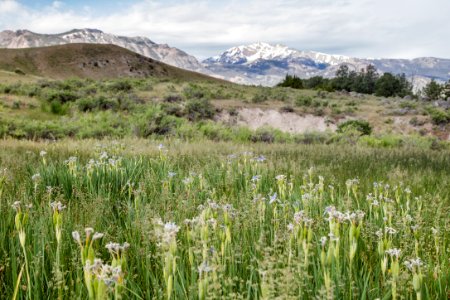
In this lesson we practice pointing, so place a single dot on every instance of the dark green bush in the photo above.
(19, 72)
(287, 109)
(173, 98)
(361, 126)
(439, 117)
(199, 109)
(120, 86)
(61, 96)
(173, 109)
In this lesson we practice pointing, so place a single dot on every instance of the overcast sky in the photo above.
(361, 28)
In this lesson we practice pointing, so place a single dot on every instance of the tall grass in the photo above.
(134, 220)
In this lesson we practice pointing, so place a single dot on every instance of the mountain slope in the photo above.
(266, 64)
(89, 61)
(141, 45)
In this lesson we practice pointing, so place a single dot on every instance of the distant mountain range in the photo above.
(258, 64)
(267, 64)
(141, 45)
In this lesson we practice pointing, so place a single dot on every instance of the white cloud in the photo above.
(382, 28)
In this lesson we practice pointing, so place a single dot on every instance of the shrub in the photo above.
(416, 122)
(259, 98)
(310, 138)
(173, 109)
(56, 108)
(199, 109)
(263, 136)
(303, 100)
(154, 121)
(439, 117)
(361, 126)
(120, 86)
(60, 96)
(19, 72)
(96, 103)
(16, 105)
(173, 98)
(287, 109)
(194, 91)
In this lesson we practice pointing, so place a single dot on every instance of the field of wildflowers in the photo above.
(141, 220)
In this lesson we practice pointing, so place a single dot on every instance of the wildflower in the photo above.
(280, 177)
(171, 174)
(227, 207)
(414, 228)
(273, 198)
(323, 241)
(76, 236)
(36, 177)
(72, 159)
(187, 180)
(290, 227)
(171, 228)
(390, 230)
(332, 237)
(57, 206)
(307, 197)
(42, 153)
(299, 217)
(16, 205)
(261, 159)
(161, 147)
(204, 268)
(231, 156)
(256, 178)
(89, 231)
(394, 252)
(413, 264)
(97, 236)
(213, 205)
(115, 248)
(379, 233)
(434, 231)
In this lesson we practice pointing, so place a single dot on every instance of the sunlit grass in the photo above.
(135, 219)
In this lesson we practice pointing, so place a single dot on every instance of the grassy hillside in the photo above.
(88, 61)
(34, 108)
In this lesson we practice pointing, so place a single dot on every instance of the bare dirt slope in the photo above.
(255, 118)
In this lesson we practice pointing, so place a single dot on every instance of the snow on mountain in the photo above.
(266, 64)
(264, 51)
(141, 45)
(258, 63)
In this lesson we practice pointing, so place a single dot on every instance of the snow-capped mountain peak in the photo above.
(248, 54)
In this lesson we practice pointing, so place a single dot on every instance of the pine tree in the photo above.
(433, 90)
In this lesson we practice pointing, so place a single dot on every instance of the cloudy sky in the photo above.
(362, 28)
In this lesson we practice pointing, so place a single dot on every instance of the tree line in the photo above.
(366, 81)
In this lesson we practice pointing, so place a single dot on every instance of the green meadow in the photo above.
(172, 219)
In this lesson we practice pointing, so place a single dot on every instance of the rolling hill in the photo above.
(141, 45)
(95, 61)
